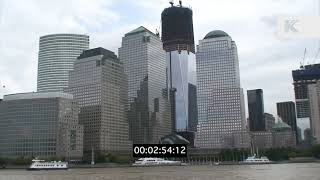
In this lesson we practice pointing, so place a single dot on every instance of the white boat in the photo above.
(38, 164)
(255, 160)
(155, 162)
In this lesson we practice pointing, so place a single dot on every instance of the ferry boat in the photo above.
(255, 160)
(156, 162)
(43, 165)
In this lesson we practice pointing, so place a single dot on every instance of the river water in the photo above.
(308, 171)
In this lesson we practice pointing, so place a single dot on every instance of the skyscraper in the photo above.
(145, 66)
(98, 84)
(193, 108)
(220, 96)
(178, 42)
(256, 110)
(301, 79)
(287, 112)
(40, 124)
(314, 98)
(57, 53)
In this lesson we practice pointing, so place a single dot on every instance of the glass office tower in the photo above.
(57, 53)
(98, 84)
(178, 42)
(144, 63)
(256, 110)
(219, 94)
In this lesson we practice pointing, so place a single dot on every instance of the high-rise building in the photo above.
(314, 99)
(256, 110)
(57, 53)
(178, 42)
(269, 120)
(40, 124)
(193, 108)
(145, 66)
(301, 79)
(98, 84)
(287, 112)
(221, 110)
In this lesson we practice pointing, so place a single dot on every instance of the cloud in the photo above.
(23, 22)
(265, 61)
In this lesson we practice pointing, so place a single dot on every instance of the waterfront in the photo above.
(305, 171)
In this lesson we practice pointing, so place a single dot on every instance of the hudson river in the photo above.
(309, 171)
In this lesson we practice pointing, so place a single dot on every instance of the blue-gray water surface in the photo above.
(308, 171)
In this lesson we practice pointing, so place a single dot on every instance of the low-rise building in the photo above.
(262, 139)
(269, 120)
(40, 124)
(283, 136)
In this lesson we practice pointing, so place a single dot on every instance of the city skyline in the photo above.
(276, 81)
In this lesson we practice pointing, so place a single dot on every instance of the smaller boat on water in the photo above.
(156, 162)
(38, 164)
(256, 160)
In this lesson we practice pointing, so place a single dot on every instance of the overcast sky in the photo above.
(265, 60)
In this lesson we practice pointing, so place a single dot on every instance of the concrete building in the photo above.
(269, 120)
(221, 110)
(279, 136)
(178, 42)
(287, 112)
(256, 110)
(193, 108)
(57, 53)
(262, 139)
(145, 66)
(283, 136)
(314, 99)
(40, 124)
(299, 133)
(308, 137)
(98, 84)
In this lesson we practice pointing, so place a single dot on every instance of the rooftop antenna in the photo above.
(171, 2)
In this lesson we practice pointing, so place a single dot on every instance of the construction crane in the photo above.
(304, 56)
(316, 57)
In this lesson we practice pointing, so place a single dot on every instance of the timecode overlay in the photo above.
(159, 150)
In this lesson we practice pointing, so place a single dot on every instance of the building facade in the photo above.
(261, 139)
(283, 136)
(308, 137)
(287, 112)
(40, 124)
(98, 84)
(269, 120)
(314, 99)
(178, 42)
(57, 53)
(256, 110)
(221, 110)
(301, 79)
(148, 102)
(193, 108)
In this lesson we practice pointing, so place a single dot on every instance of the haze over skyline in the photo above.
(265, 60)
